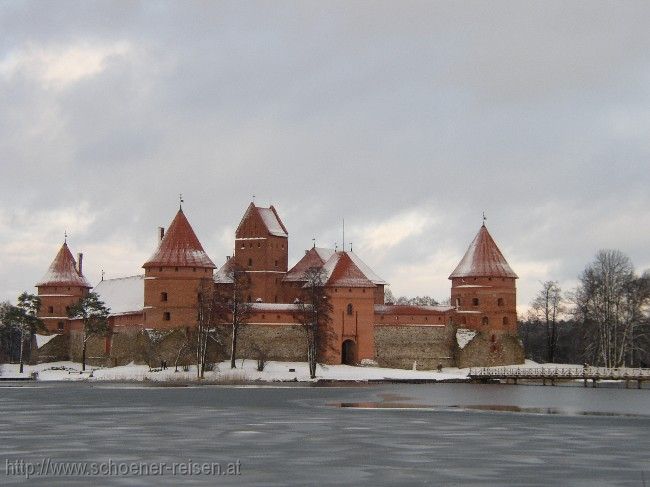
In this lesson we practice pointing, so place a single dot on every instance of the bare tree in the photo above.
(314, 313)
(238, 308)
(610, 302)
(212, 310)
(546, 308)
(94, 314)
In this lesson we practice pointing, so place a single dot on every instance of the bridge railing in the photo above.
(622, 373)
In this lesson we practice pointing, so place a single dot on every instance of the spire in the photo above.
(180, 247)
(63, 271)
(483, 259)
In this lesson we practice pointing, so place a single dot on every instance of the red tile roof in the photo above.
(483, 259)
(270, 219)
(63, 271)
(314, 257)
(343, 272)
(180, 247)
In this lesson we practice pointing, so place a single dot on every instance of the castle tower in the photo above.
(483, 288)
(62, 286)
(173, 277)
(262, 249)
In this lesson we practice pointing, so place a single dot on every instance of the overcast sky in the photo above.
(407, 118)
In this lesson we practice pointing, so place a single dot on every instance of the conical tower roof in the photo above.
(180, 247)
(342, 271)
(483, 259)
(63, 271)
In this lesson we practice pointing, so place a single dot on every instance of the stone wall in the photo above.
(287, 343)
(56, 350)
(488, 350)
(399, 346)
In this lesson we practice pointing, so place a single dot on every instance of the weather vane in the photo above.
(314, 242)
(65, 236)
(484, 218)
(180, 201)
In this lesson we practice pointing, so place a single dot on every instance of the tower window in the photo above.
(276, 263)
(176, 269)
(259, 245)
(485, 321)
(350, 309)
(159, 269)
(475, 301)
(163, 296)
(167, 316)
(60, 325)
(500, 302)
(458, 302)
(250, 262)
(505, 320)
(50, 309)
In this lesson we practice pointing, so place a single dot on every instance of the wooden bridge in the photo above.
(553, 374)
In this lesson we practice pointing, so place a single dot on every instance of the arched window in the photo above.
(350, 309)
(250, 262)
(163, 296)
(500, 302)
(458, 302)
(505, 320)
(475, 301)
(485, 320)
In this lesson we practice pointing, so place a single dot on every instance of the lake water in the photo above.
(389, 434)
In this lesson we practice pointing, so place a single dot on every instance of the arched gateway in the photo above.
(348, 353)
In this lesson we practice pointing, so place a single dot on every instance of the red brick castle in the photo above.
(477, 328)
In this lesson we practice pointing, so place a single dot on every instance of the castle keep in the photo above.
(477, 328)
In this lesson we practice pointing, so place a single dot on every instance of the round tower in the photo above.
(483, 289)
(173, 277)
(62, 286)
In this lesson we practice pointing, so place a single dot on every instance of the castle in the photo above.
(477, 328)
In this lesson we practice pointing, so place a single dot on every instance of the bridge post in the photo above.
(638, 384)
(595, 383)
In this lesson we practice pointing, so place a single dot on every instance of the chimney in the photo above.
(161, 233)
(80, 263)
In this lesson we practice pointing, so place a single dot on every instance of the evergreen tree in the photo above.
(94, 315)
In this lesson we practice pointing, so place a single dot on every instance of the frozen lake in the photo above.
(331, 435)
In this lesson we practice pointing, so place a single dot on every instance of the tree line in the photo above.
(604, 321)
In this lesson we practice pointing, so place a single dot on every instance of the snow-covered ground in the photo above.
(246, 371)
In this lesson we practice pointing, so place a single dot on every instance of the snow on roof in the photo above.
(464, 336)
(368, 272)
(357, 270)
(272, 222)
(341, 270)
(314, 257)
(269, 218)
(63, 271)
(224, 275)
(483, 259)
(408, 309)
(122, 295)
(180, 247)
